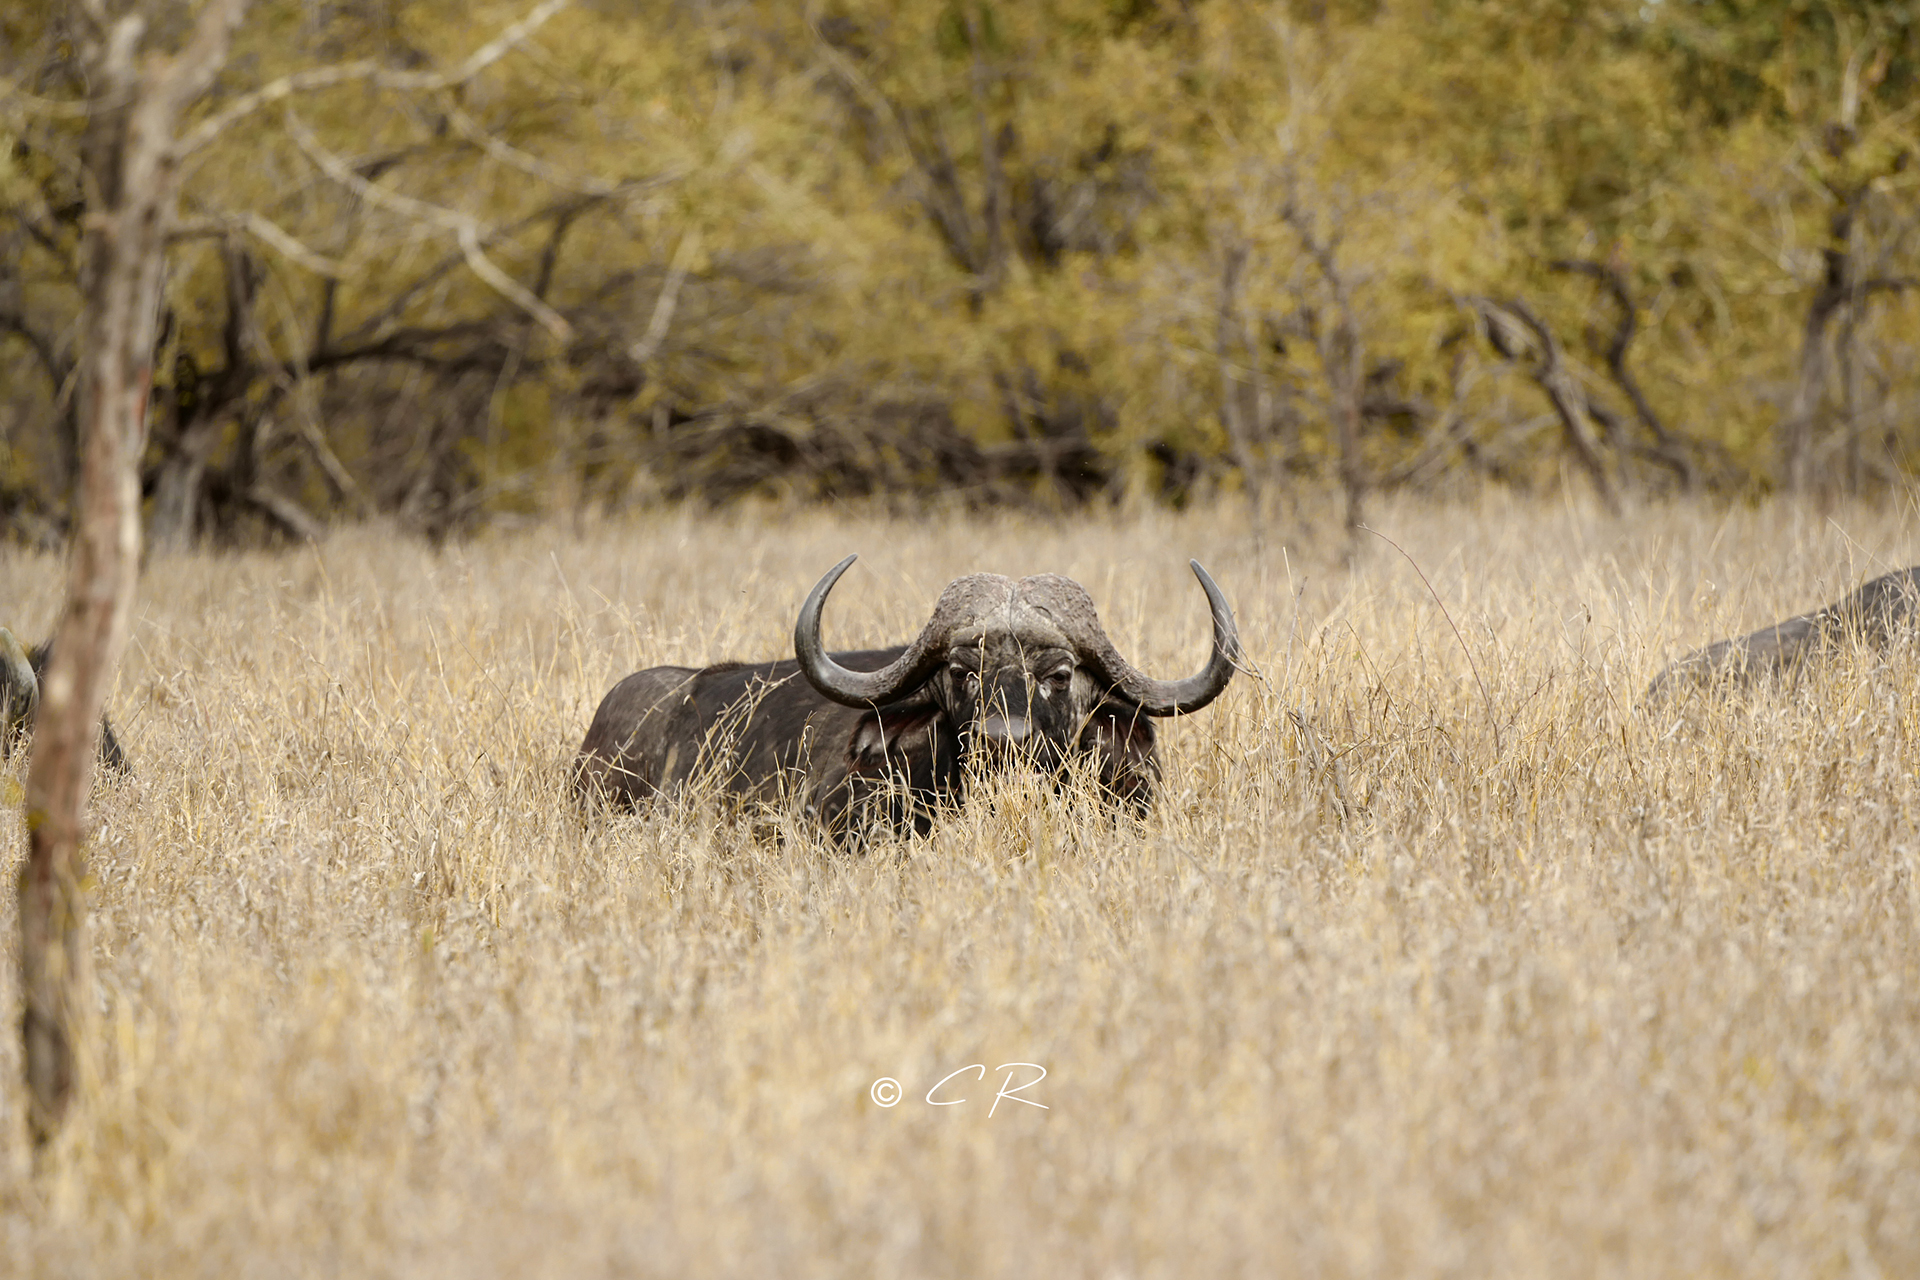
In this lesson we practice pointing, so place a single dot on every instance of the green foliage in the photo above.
(1076, 228)
(1785, 59)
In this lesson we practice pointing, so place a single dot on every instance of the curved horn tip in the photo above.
(1199, 690)
(1215, 597)
(13, 653)
(829, 678)
(1206, 579)
(818, 596)
(17, 678)
(827, 579)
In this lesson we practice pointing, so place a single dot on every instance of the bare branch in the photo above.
(1886, 284)
(336, 470)
(364, 331)
(507, 287)
(1550, 371)
(550, 252)
(514, 158)
(192, 73)
(372, 72)
(272, 234)
(994, 205)
(267, 232)
(97, 19)
(49, 108)
(1233, 414)
(42, 234)
(1341, 354)
(283, 511)
(669, 298)
(465, 227)
(43, 348)
(1614, 280)
(877, 102)
(1850, 88)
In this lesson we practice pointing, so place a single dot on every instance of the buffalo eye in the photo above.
(965, 677)
(1057, 681)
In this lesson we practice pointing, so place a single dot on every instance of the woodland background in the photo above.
(1048, 253)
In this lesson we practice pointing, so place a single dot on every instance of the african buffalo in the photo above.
(20, 670)
(1877, 614)
(1004, 671)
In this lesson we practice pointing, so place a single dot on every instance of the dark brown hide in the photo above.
(752, 729)
(20, 696)
(756, 728)
(1005, 674)
(1877, 614)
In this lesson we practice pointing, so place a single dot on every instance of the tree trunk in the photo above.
(1837, 287)
(200, 413)
(1345, 372)
(1666, 447)
(130, 163)
(1809, 388)
(177, 487)
(1342, 357)
(1549, 370)
(1233, 388)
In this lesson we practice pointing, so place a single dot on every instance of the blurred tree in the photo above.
(1055, 250)
(129, 170)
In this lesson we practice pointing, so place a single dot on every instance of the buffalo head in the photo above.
(1019, 669)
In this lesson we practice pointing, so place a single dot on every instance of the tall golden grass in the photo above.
(1437, 957)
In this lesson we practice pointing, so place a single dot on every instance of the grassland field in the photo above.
(1440, 955)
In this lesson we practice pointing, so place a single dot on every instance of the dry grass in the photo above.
(1400, 979)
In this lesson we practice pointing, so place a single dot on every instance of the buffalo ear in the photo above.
(1119, 735)
(900, 735)
(900, 761)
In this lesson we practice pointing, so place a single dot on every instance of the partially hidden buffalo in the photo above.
(1879, 613)
(1005, 672)
(20, 670)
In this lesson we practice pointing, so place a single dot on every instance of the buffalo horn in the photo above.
(1072, 609)
(863, 688)
(19, 685)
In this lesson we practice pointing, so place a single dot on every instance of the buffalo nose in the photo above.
(1010, 730)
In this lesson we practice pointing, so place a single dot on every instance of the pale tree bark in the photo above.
(1613, 278)
(131, 156)
(201, 413)
(1342, 354)
(1505, 322)
(1846, 280)
(1233, 398)
(1810, 386)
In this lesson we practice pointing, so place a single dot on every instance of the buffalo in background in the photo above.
(1004, 673)
(1877, 614)
(20, 670)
